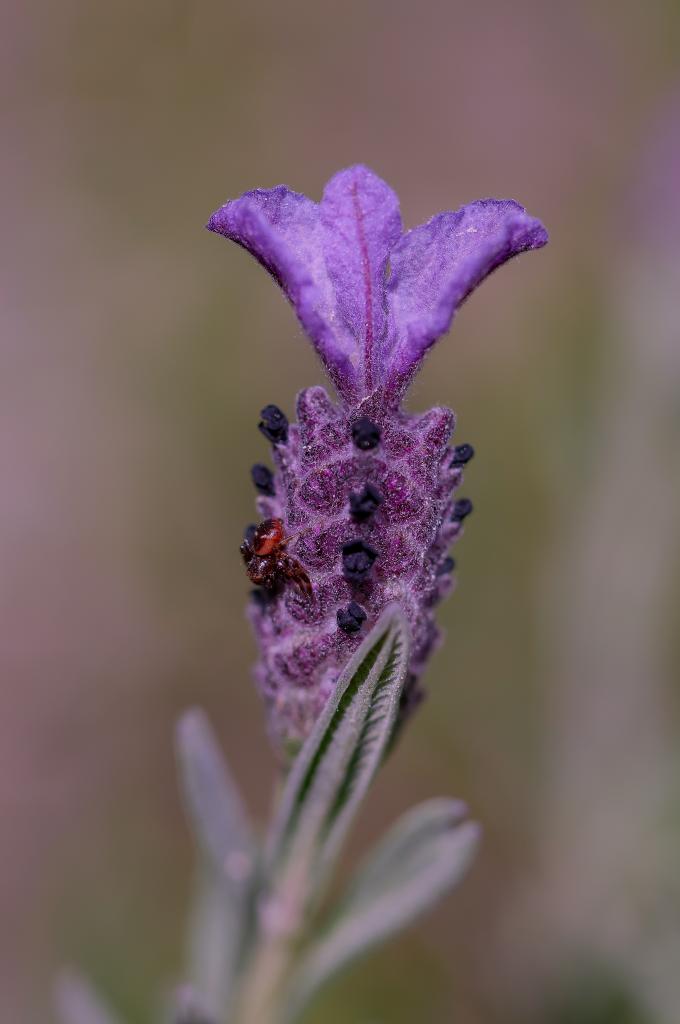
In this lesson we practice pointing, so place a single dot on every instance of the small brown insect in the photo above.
(267, 562)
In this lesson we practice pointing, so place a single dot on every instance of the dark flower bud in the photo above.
(249, 533)
(412, 696)
(192, 1016)
(462, 509)
(351, 618)
(263, 478)
(462, 454)
(274, 424)
(448, 565)
(357, 560)
(261, 597)
(365, 434)
(189, 1010)
(364, 503)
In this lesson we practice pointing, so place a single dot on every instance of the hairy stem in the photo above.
(281, 922)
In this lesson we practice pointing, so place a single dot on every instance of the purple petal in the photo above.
(437, 265)
(283, 231)
(361, 222)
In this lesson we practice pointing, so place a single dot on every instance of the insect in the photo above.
(268, 564)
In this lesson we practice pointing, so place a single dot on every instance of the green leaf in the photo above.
(211, 798)
(226, 872)
(77, 1002)
(337, 763)
(215, 939)
(426, 853)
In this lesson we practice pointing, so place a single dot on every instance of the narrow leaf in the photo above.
(426, 853)
(374, 740)
(214, 938)
(226, 871)
(337, 763)
(77, 1002)
(211, 798)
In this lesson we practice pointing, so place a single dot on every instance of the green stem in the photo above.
(281, 923)
(262, 996)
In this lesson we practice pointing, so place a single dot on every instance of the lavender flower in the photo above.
(365, 488)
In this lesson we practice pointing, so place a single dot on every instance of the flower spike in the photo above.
(365, 492)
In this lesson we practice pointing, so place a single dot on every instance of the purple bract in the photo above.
(366, 488)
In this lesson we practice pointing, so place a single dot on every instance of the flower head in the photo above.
(366, 488)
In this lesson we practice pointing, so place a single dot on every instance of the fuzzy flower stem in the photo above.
(281, 921)
(262, 991)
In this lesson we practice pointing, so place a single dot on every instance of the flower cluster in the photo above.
(366, 491)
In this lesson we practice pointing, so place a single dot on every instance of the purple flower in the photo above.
(366, 488)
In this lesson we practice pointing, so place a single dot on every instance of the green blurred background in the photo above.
(136, 352)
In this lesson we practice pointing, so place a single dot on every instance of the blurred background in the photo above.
(136, 353)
